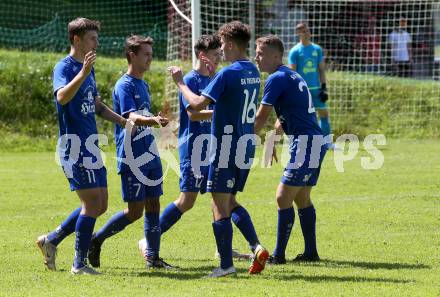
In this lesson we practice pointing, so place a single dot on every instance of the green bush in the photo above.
(365, 104)
(359, 104)
(26, 100)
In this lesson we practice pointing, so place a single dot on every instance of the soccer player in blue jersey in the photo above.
(287, 93)
(77, 102)
(307, 59)
(234, 90)
(192, 124)
(138, 163)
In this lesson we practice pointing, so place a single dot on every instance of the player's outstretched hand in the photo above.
(176, 74)
(163, 121)
(89, 60)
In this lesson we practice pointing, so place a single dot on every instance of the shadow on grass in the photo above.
(199, 272)
(331, 278)
(363, 264)
(183, 273)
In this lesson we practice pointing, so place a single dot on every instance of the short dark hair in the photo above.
(301, 26)
(80, 26)
(237, 32)
(206, 43)
(133, 44)
(271, 41)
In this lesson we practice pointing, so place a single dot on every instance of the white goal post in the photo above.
(375, 83)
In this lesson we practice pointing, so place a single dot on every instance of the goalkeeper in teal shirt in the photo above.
(307, 59)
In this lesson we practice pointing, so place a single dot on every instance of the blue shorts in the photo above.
(317, 103)
(302, 176)
(189, 182)
(81, 178)
(135, 190)
(226, 180)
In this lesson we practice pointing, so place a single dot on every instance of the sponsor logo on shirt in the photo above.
(88, 106)
(309, 67)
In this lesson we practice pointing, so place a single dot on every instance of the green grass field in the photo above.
(378, 233)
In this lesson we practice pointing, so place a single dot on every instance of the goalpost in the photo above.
(377, 83)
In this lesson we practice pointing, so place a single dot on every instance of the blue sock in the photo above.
(307, 217)
(116, 224)
(243, 221)
(286, 218)
(324, 123)
(170, 215)
(152, 234)
(223, 237)
(84, 229)
(65, 229)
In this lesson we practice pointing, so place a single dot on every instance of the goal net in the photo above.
(42, 25)
(383, 57)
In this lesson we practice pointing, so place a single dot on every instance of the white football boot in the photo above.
(84, 270)
(48, 250)
(219, 272)
(142, 245)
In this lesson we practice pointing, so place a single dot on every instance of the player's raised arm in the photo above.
(66, 93)
(196, 102)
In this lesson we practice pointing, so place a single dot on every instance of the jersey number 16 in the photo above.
(249, 105)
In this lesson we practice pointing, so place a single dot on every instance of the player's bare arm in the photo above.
(321, 71)
(199, 115)
(262, 116)
(65, 94)
(141, 120)
(106, 113)
(196, 102)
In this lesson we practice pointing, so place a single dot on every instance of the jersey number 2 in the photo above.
(301, 86)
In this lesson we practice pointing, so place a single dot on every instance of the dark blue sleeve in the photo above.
(216, 87)
(272, 90)
(60, 77)
(124, 93)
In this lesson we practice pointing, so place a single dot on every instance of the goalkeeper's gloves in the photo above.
(323, 94)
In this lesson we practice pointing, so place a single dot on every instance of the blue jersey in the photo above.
(189, 130)
(287, 92)
(131, 94)
(234, 90)
(307, 60)
(78, 115)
